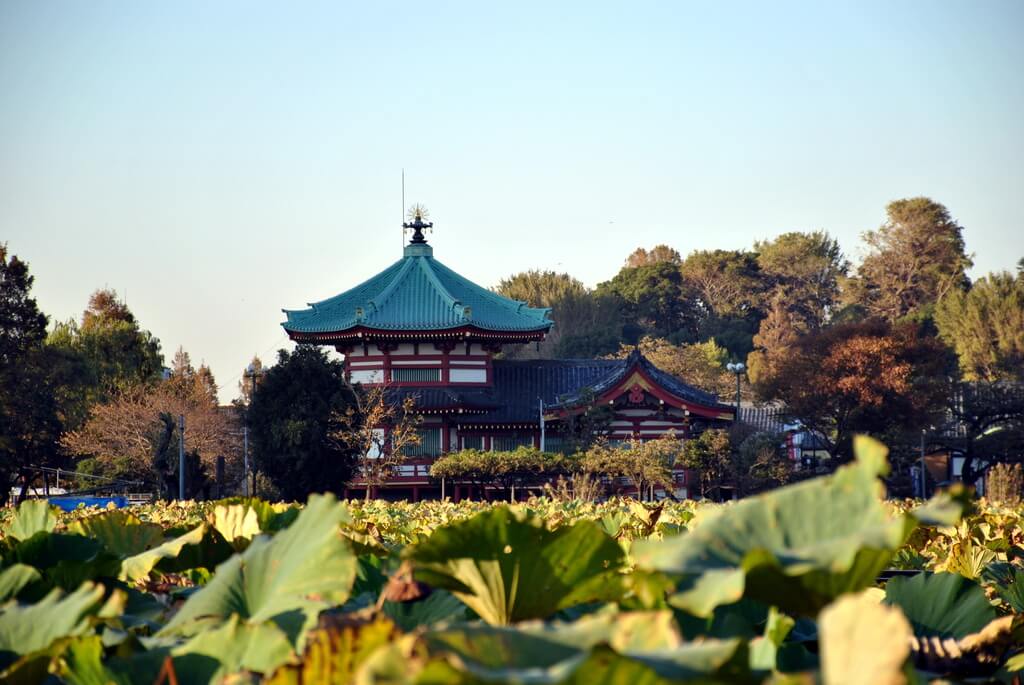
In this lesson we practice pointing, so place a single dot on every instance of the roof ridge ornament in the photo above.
(418, 215)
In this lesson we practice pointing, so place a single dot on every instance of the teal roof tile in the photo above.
(417, 293)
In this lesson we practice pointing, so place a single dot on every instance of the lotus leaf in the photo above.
(26, 630)
(121, 533)
(863, 642)
(606, 648)
(237, 523)
(138, 566)
(941, 604)
(16, 578)
(81, 664)
(33, 516)
(335, 651)
(507, 567)
(797, 547)
(1008, 582)
(289, 578)
(233, 646)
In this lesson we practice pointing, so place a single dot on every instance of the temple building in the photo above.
(423, 330)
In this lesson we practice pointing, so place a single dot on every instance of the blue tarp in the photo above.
(72, 503)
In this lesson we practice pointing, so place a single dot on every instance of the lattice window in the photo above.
(430, 444)
(415, 375)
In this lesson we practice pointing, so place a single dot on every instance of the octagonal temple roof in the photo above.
(416, 295)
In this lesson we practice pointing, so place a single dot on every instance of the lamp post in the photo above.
(252, 374)
(738, 368)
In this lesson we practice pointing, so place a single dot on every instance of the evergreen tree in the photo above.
(29, 421)
(114, 352)
(914, 259)
(293, 419)
(985, 326)
(803, 270)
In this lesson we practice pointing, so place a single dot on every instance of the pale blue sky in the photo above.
(216, 161)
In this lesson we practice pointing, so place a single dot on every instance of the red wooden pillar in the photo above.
(415, 493)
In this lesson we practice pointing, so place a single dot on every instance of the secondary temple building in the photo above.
(422, 329)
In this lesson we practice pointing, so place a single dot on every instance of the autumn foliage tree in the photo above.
(135, 436)
(382, 429)
(869, 377)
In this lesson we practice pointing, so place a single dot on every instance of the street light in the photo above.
(738, 368)
(251, 373)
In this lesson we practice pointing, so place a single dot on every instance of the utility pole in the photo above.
(542, 424)
(181, 457)
(924, 483)
(245, 458)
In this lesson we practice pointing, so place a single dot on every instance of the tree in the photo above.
(699, 364)
(803, 270)
(728, 283)
(710, 454)
(641, 463)
(914, 259)
(656, 302)
(985, 325)
(293, 422)
(105, 352)
(521, 467)
(760, 464)
(381, 429)
(566, 296)
(869, 377)
(135, 435)
(540, 288)
(774, 342)
(986, 426)
(656, 255)
(29, 421)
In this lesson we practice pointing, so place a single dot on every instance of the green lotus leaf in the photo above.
(65, 560)
(233, 646)
(138, 566)
(507, 567)
(638, 647)
(863, 642)
(122, 533)
(16, 578)
(1007, 580)
(26, 630)
(941, 604)
(81, 663)
(539, 654)
(289, 578)
(33, 516)
(438, 606)
(764, 650)
(797, 547)
(709, 661)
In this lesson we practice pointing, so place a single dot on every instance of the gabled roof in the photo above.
(561, 384)
(417, 293)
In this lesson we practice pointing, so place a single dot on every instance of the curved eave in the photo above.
(636, 373)
(360, 334)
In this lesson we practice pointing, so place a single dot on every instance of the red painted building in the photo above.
(426, 331)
